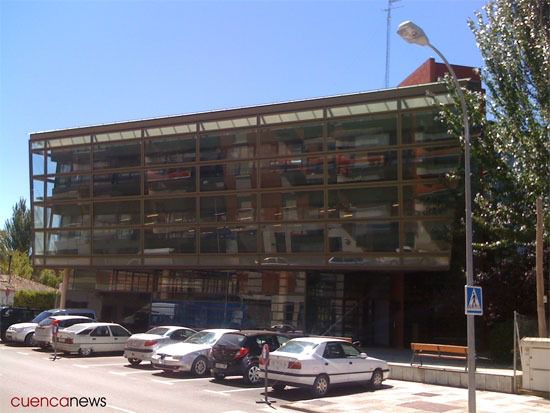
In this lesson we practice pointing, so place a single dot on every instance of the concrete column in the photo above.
(64, 285)
(397, 308)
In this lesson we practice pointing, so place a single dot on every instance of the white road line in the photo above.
(236, 390)
(23, 353)
(217, 392)
(163, 382)
(126, 373)
(87, 366)
(110, 406)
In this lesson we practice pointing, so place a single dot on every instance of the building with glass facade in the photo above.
(312, 213)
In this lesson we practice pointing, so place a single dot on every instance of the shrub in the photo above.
(35, 299)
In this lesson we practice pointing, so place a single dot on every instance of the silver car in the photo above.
(140, 347)
(189, 356)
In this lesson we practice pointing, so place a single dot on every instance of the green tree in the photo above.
(50, 278)
(18, 228)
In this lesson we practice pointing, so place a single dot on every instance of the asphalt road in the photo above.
(27, 372)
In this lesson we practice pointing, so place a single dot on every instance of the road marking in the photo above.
(236, 390)
(126, 373)
(120, 409)
(169, 383)
(217, 392)
(86, 366)
(22, 353)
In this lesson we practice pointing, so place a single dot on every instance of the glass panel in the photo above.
(292, 206)
(362, 108)
(170, 180)
(67, 216)
(68, 243)
(362, 132)
(171, 130)
(350, 260)
(172, 260)
(38, 190)
(117, 154)
(427, 236)
(75, 140)
(107, 214)
(170, 211)
(363, 237)
(292, 140)
(117, 184)
(427, 199)
(228, 123)
(363, 167)
(131, 260)
(228, 145)
(229, 208)
(169, 240)
(287, 238)
(37, 152)
(117, 136)
(116, 241)
(228, 240)
(421, 127)
(363, 203)
(176, 149)
(292, 117)
(38, 216)
(292, 172)
(38, 243)
(68, 187)
(282, 260)
(240, 175)
(63, 160)
(67, 261)
(430, 162)
(427, 261)
(227, 260)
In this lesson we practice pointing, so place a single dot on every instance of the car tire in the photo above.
(219, 376)
(134, 362)
(252, 375)
(29, 339)
(376, 379)
(320, 385)
(278, 387)
(199, 367)
(85, 352)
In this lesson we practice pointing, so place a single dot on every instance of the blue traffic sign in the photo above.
(473, 300)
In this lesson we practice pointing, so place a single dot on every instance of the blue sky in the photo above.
(75, 63)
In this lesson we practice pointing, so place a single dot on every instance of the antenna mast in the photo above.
(388, 27)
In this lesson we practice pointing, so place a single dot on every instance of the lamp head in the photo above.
(412, 33)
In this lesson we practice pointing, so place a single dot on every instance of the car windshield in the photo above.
(203, 337)
(158, 331)
(41, 316)
(297, 347)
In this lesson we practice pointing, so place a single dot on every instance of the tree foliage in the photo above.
(50, 278)
(18, 228)
(35, 299)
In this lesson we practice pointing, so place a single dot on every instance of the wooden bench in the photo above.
(444, 351)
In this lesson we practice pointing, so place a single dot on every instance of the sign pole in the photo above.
(264, 361)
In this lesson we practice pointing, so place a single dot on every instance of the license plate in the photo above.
(220, 366)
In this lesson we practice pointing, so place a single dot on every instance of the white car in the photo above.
(140, 347)
(88, 338)
(191, 355)
(321, 362)
(43, 331)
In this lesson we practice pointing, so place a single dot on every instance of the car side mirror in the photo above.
(363, 355)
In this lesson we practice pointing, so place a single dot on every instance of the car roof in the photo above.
(96, 324)
(172, 327)
(68, 317)
(320, 340)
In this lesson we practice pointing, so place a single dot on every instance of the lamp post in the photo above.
(414, 34)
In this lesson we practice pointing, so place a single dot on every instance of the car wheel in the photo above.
(376, 379)
(278, 387)
(320, 385)
(29, 339)
(199, 367)
(85, 352)
(134, 362)
(219, 376)
(252, 374)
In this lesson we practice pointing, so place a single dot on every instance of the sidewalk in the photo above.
(405, 397)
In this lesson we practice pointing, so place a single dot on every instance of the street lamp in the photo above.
(414, 34)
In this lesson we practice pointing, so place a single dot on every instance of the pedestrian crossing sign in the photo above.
(473, 304)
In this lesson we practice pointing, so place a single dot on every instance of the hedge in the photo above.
(43, 300)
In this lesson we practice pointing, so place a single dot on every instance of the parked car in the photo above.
(140, 347)
(88, 338)
(43, 331)
(237, 353)
(14, 315)
(321, 362)
(189, 356)
(24, 332)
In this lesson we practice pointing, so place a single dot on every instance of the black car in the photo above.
(14, 315)
(237, 353)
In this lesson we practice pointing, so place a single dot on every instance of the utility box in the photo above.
(535, 361)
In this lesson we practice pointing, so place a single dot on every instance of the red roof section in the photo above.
(430, 71)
